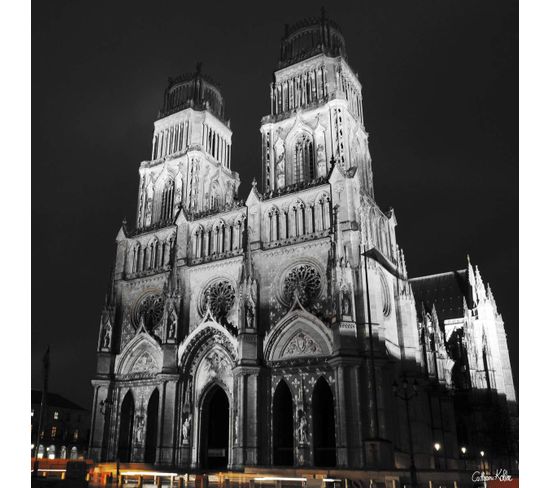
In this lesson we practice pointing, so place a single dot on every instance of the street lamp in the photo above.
(482, 454)
(463, 451)
(437, 448)
(406, 394)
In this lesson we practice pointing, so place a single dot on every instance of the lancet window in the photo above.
(304, 164)
(167, 203)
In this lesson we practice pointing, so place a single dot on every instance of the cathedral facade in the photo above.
(284, 330)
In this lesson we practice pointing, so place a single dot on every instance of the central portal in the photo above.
(215, 429)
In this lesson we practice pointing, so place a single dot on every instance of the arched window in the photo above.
(167, 203)
(304, 166)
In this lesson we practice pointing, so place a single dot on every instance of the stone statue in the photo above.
(186, 429)
(346, 303)
(249, 314)
(140, 429)
(107, 336)
(302, 428)
(148, 210)
(172, 323)
(280, 166)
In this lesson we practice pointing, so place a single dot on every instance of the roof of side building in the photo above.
(445, 291)
(54, 400)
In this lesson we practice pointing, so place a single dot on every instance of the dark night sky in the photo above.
(440, 91)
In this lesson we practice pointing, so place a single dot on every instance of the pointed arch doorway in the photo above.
(152, 428)
(283, 431)
(215, 429)
(126, 429)
(324, 439)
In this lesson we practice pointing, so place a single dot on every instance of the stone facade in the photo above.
(270, 331)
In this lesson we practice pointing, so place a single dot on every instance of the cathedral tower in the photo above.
(316, 110)
(190, 164)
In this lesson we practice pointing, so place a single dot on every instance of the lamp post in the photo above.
(104, 408)
(463, 451)
(482, 455)
(404, 393)
(437, 448)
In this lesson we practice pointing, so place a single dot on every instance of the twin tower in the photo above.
(268, 332)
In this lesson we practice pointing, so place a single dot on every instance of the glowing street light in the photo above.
(463, 450)
(482, 454)
(437, 448)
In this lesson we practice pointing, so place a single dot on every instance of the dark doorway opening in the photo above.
(283, 432)
(215, 429)
(126, 429)
(324, 439)
(152, 428)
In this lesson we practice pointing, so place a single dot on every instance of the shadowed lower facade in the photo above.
(270, 331)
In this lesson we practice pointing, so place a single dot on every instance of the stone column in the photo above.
(167, 421)
(342, 415)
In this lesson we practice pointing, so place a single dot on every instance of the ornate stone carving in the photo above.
(145, 364)
(221, 297)
(301, 345)
(303, 279)
(217, 363)
(151, 308)
(128, 330)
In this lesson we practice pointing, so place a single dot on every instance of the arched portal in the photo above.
(324, 441)
(215, 429)
(152, 428)
(126, 428)
(283, 432)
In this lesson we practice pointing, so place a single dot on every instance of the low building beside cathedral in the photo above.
(270, 331)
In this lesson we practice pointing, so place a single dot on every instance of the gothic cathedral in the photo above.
(277, 330)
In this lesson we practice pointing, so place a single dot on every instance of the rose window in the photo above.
(304, 280)
(221, 296)
(151, 308)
